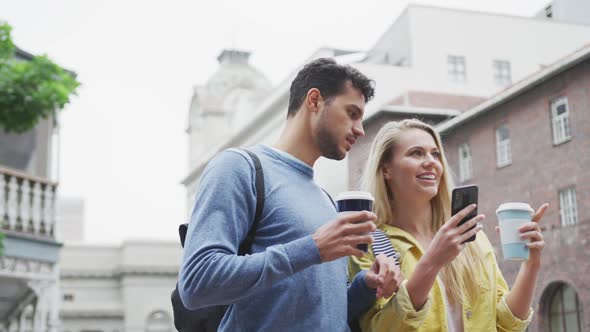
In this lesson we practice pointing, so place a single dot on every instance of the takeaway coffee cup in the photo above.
(510, 217)
(350, 201)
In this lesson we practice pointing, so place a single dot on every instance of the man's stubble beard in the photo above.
(326, 140)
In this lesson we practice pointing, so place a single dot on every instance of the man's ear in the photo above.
(313, 99)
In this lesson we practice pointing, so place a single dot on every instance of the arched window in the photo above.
(564, 309)
(159, 321)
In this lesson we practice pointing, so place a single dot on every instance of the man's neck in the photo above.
(297, 141)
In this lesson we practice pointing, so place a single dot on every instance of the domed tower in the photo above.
(225, 103)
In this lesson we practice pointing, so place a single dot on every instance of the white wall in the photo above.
(71, 219)
(150, 253)
(85, 324)
(480, 37)
(395, 42)
(577, 11)
(143, 295)
(89, 257)
(91, 294)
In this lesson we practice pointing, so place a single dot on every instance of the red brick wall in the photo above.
(538, 171)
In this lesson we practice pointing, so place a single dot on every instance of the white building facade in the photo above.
(426, 49)
(118, 288)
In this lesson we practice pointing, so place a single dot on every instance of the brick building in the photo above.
(529, 143)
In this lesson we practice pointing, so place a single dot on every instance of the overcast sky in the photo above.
(123, 143)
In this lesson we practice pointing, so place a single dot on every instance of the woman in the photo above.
(450, 286)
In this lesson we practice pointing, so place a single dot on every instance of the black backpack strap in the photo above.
(182, 228)
(259, 184)
(382, 245)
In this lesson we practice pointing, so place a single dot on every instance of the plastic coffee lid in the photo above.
(514, 206)
(354, 195)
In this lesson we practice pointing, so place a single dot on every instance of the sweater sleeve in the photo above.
(211, 272)
(360, 296)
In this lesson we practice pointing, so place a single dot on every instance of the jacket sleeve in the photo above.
(211, 272)
(505, 319)
(391, 314)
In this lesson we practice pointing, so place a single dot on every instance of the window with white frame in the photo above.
(502, 75)
(503, 152)
(465, 166)
(568, 208)
(560, 120)
(457, 72)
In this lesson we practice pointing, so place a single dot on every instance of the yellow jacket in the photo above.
(489, 312)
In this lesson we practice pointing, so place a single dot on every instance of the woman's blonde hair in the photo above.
(461, 272)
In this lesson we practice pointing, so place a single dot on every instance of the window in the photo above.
(565, 311)
(549, 11)
(456, 69)
(68, 297)
(465, 167)
(560, 121)
(503, 153)
(568, 208)
(502, 75)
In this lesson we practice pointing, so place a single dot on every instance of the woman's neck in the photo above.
(414, 217)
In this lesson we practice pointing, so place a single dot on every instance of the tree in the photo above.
(30, 90)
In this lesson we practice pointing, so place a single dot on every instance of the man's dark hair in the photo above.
(330, 78)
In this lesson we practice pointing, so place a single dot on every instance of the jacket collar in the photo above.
(405, 241)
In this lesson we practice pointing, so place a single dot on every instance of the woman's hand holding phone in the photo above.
(450, 238)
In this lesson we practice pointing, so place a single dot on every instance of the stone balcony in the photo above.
(29, 265)
(27, 204)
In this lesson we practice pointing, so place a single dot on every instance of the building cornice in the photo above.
(120, 272)
(92, 313)
(17, 267)
(33, 237)
(400, 109)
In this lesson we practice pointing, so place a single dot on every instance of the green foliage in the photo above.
(30, 90)
(1, 243)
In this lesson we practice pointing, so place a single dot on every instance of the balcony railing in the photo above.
(27, 204)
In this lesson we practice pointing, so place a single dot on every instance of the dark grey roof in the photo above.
(24, 55)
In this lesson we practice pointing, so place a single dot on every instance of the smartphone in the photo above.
(461, 198)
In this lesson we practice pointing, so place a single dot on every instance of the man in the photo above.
(296, 278)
